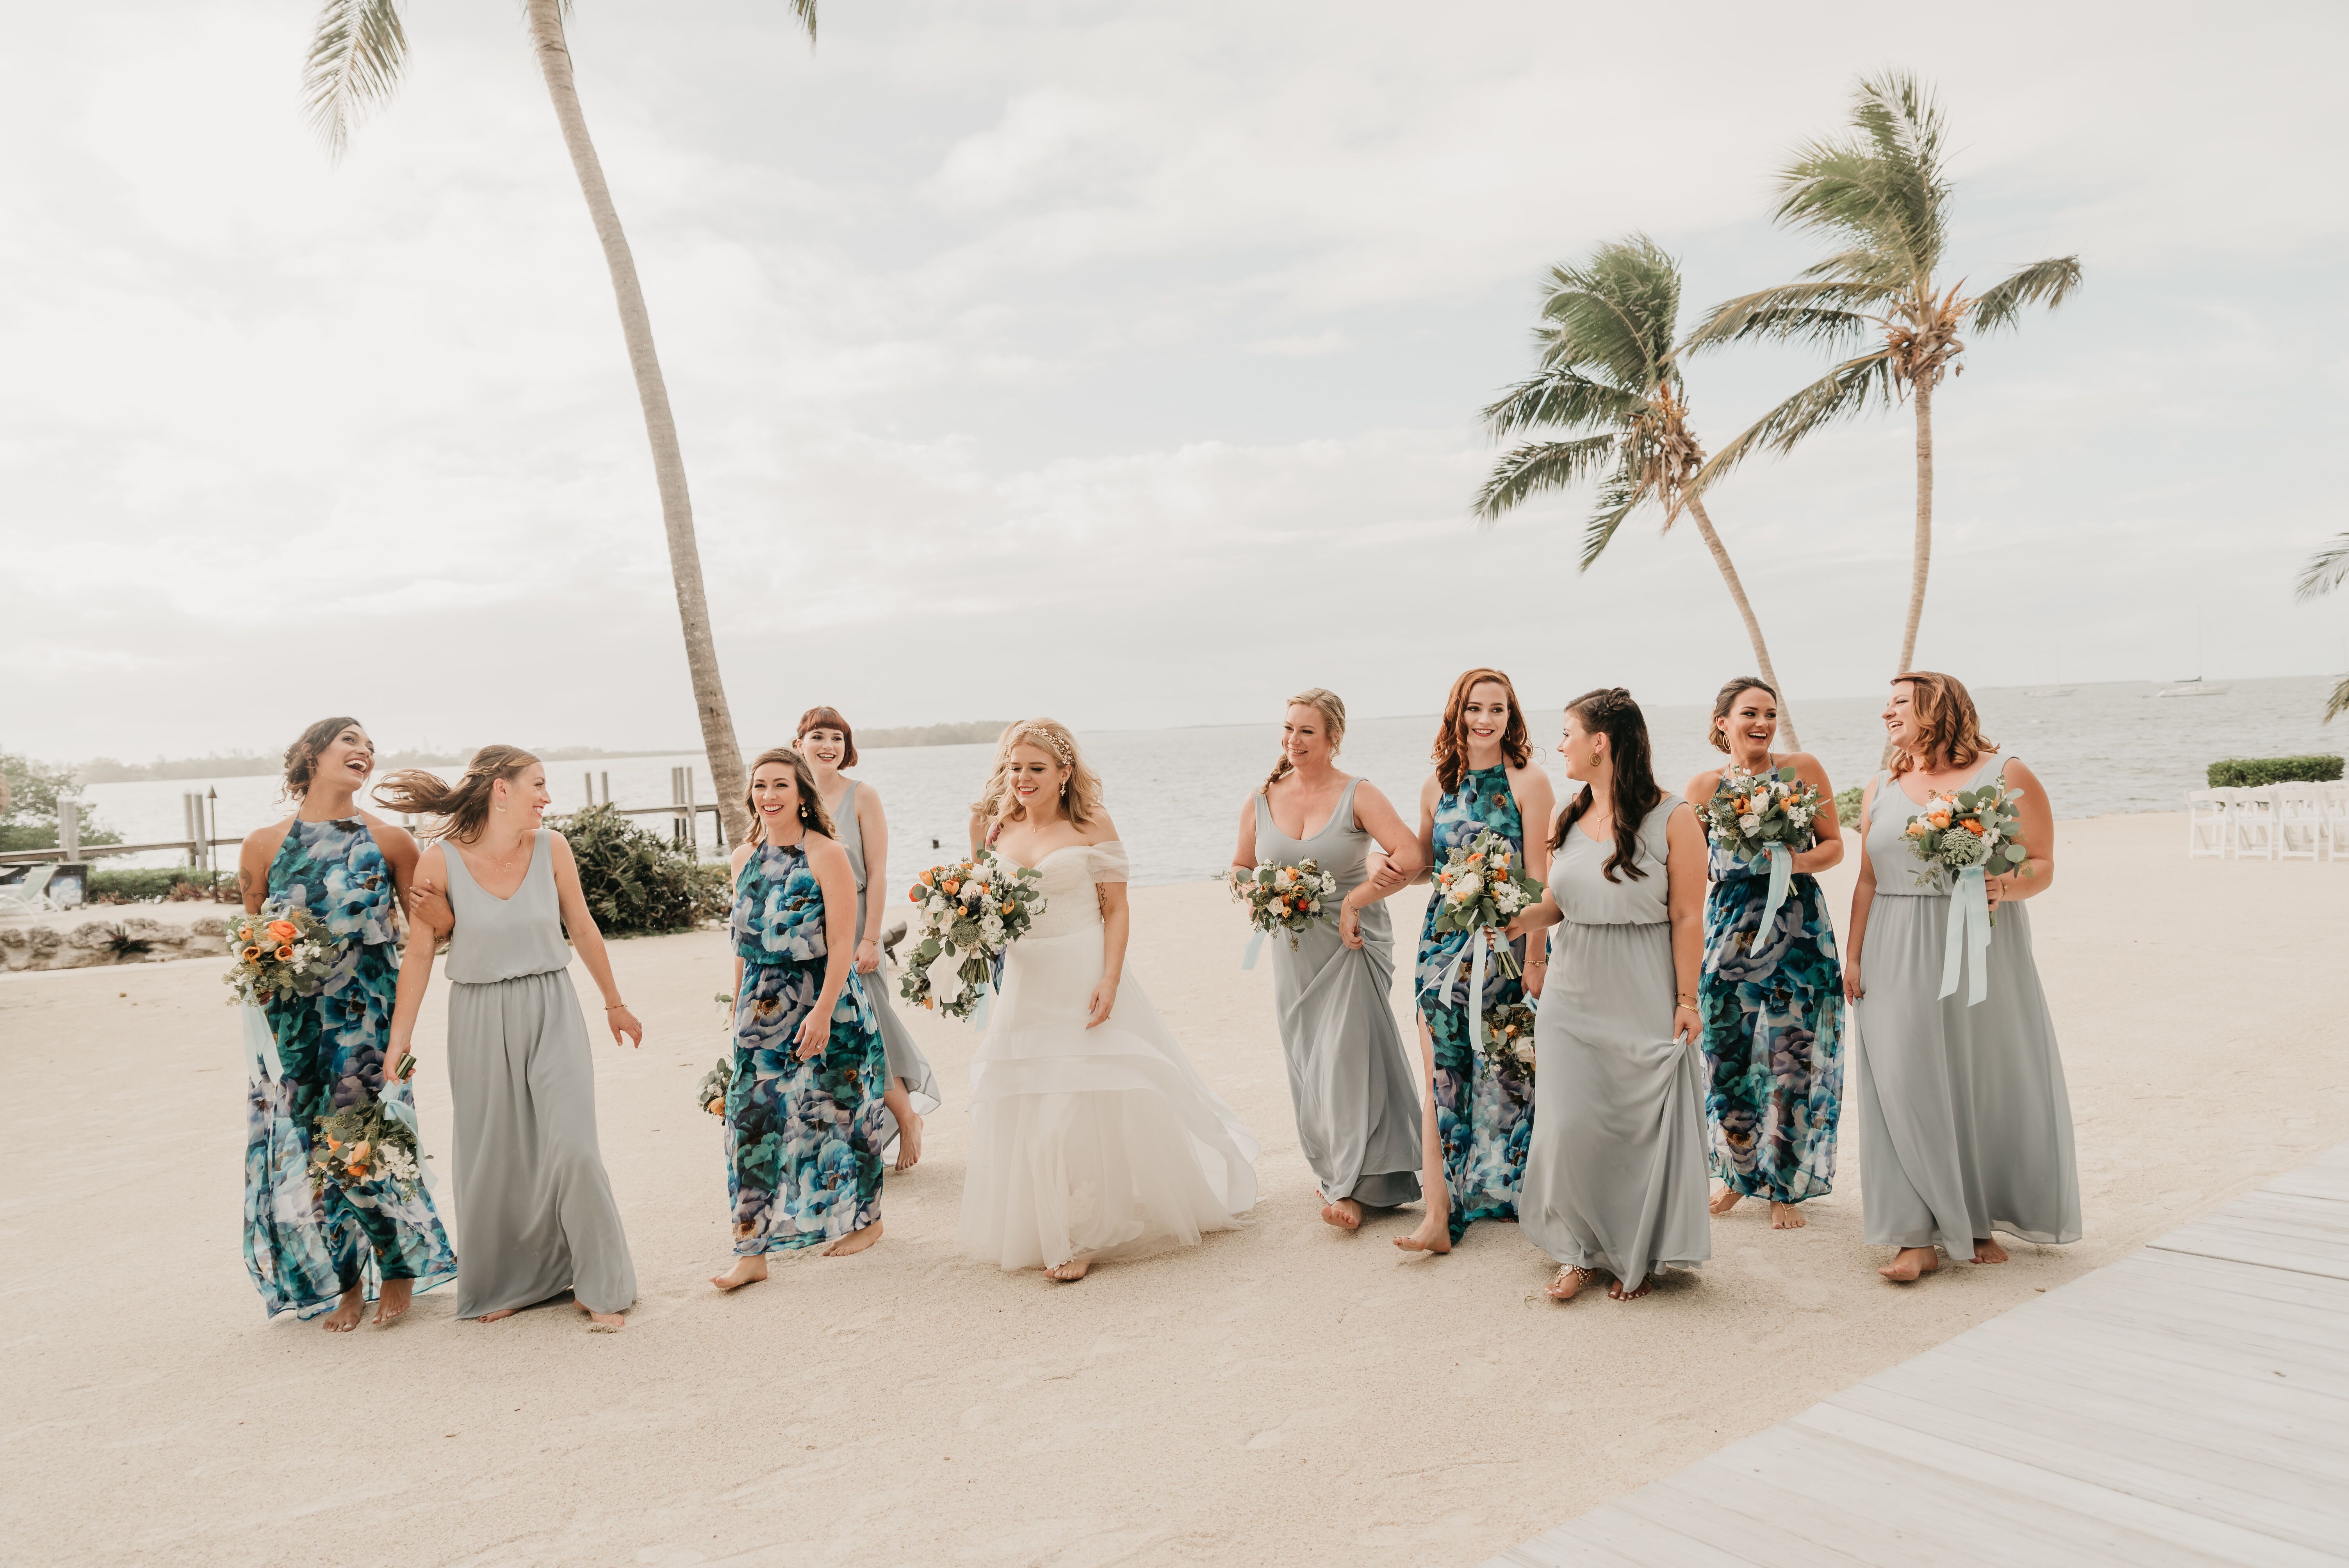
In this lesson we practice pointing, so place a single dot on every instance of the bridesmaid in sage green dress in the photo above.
(1965, 1125)
(1477, 1119)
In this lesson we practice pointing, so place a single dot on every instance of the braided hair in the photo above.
(1609, 711)
(1331, 708)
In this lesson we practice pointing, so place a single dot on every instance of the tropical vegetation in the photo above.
(2327, 569)
(637, 883)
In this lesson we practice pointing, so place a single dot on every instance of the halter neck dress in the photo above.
(1965, 1126)
(906, 1062)
(1350, 1074)
(1615, 1177)
(304, 1249)
(533, 1205)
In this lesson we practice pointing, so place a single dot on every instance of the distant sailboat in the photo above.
(2196, 686)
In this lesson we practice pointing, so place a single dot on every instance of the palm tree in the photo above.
(1882, 196)
(1608, 367)
(356, 54)
(2327, 569)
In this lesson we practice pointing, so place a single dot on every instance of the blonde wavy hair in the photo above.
(1951, 724)
(1332, 709)
(1080, 796)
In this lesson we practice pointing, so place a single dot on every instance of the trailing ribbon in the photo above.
(1782, 873)
(1255, 946)
(261, 1045)
(1472, 956)
(1968, 930)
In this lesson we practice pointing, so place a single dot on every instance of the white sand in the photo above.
(1281, 1393)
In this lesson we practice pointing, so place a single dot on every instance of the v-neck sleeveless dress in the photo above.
(534, 1208)
(1965, 1126)
(1615, 1177)
(1350, 1073)
(304, 1249)
(908, 1064)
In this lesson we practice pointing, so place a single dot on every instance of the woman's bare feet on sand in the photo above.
(1987, 1251)
(1787, 1216)
(1617, 1293)
(1434, 1235)
(393, 1306)
(1723, 1200)
(1911, 1261)
(345, 1315)
(909, 1142)
(746, 1271)
(1070, 1272)
(1569, 1280)
(854, 1242)
(1345, 1214)
(602, 1321)
(498, 1316)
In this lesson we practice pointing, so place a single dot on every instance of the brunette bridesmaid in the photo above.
(1772, 1000)
(1965, 1127)
(1350, 1074)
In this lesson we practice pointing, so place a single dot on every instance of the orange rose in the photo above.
(359, 1172)
(1938, 819)
(1970, 826)
(281, 929)
(252, 954)
(285, 956)
(358, 1150)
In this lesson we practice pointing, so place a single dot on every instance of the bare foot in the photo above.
(345, 1315)
(396, 1295)
(497, 1316)
(746, 1271)
(1070, 1272)
(1345, 1214)
(1725, 1200)
(1988, 1250)
(1617, 1293)
(1911, 1263)
(1568, 1282)
(1787, 1216)
(854, 1242)
(602, 1321)
(909, 1142)
(1434, 1235)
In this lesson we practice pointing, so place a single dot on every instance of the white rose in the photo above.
(1467, 887)
(1749, 823)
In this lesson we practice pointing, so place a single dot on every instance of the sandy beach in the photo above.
(1282, 1393)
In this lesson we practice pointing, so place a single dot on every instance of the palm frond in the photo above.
(1841, 394)
(2338, 703)
(1885, 188)
(1535, 466)
(802, 9)
(2048, 282)
(2326, 569)
(1618, 497)
(1615, 313)
(1830, 314)
(1563, 397)
(356, 53)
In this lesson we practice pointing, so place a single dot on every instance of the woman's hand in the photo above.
(1098, 1005)
(815, 1032)
(623, 1022)
(1686, 1024)
(399, 1048)
(1993, 889)
(1535, 977)
(428, 907)
(868, 956)
(1852, 989)
(1349, 924)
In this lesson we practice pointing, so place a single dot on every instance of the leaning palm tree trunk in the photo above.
(1753, 625)
(669, 462)
(1921, 557)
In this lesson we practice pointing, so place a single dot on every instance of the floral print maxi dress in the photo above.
(1773, 1012)
(304, 1249)
(1485, 1119)
(803, 1138)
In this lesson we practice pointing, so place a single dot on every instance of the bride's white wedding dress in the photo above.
(1087, 1143)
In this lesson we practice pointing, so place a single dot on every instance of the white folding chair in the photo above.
(2206, 824)
(2254, 814)
(2336, 820)
(2300, 822)
(30, 896)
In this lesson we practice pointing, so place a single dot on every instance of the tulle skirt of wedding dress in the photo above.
(1091, 1142)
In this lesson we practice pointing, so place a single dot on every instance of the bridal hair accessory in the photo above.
(1043, 738)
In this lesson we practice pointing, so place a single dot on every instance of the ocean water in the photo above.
(1177, 793)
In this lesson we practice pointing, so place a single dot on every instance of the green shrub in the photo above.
(1848, 805)
(637, 883)
(2251, 772)
(177, 883)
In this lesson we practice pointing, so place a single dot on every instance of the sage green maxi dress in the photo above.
(906, 1062)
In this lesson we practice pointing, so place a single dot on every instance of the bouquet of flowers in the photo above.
(360, 1144)
(1480, 887)
(967, 913)
(1751, 811)
(277, 956)
(1283, 898)
(1509, 1040)
(1966, 827)
(716, 1084)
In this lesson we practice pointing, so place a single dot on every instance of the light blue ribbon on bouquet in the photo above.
(1473, 957)
(1782, 875)
(1255, 946)
(1969, 932)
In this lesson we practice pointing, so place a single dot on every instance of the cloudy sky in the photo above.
(1114, 361)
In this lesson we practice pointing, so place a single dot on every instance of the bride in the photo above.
(1091, 1136)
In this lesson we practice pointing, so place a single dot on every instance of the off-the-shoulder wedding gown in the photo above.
(1090, 1143)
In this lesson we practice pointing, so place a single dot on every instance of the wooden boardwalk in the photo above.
(2186, 1405)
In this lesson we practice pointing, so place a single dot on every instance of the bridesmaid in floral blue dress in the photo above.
(1771, 1004)
(804, 1122)
(1476, 1123)
(311, 1254)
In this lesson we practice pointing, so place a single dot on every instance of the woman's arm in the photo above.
(2038, 838)
(1117, 925)
(978, 834)
(1863, 898)
(415, 973)
(1828, 850)
(1684, 871)
(1390, 878)
(1374, 814)
(1244, 851)
(253, 857)
(829, 862)
(873, 827)
(1536, 801)
(580, 921)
